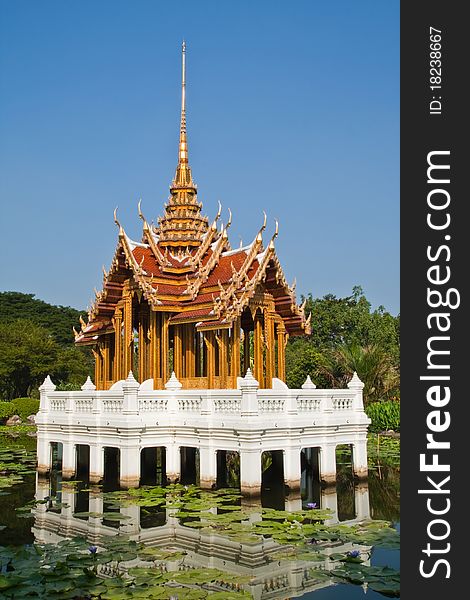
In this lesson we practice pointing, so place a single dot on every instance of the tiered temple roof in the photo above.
(185, 267)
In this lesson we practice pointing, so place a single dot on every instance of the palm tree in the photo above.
(373, 365)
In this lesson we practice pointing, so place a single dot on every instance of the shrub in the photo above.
(7, 409)
(384, 416)
(24, 407)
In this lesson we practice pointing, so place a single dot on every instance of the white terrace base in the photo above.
(247, 420)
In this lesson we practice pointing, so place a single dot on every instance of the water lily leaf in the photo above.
(59, 586)
(245, 538)
(186, 593)
(352, 559)
(194, 576)
(155, 593)
(196, 524)
(152, 553)
(9, 581)
(389, 588)
(113, 516)
(116, 594)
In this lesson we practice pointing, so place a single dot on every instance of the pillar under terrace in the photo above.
(250, 473)
(359, 452)
(328, 464)
(207, 467)
(292, 468)
(173, 463)
(69, 460)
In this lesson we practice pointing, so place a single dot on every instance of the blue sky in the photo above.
(293, 108)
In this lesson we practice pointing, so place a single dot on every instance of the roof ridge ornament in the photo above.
(116, 219)
(162, 260)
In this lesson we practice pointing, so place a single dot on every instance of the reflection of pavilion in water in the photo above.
(270, 578)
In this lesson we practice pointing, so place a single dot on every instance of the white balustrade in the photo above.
(266, 401)
(229, 404)
(152, 404)
(342, 403)
(112, 405)
(270, 403)
(190, 404)
(58, 404)
(83, 405)
(247, 420)
(308, 404)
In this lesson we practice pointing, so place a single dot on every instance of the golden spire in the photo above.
(183, 176)
(182, 226)
(183, 147)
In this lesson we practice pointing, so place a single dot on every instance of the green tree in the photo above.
(28, 353)
(339, 323)
(302, 359)
(349, 320)
(72, 367)
(58, 320)
(373, 364)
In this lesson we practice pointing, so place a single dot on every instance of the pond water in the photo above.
(61, 540)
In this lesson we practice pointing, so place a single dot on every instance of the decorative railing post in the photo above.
(305, 400)
(173, 385)
(90, 387)
(207, 406)
(290, 405)
(357, 386)
(44, 389)
(130, 387)
(69, 404)
(249, 389)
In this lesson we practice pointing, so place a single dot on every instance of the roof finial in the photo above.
(183, 147)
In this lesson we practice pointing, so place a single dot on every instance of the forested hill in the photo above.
(58, 320)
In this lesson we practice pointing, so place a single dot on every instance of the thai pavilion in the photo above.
(202, 327)
(183, 300)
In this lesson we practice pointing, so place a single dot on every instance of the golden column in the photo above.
(128, 342)
(205, 367)
(235, 353)
(96, 356)
(188, 349)
(246, 351)
(178, 351)
(155, 340)
(165, 346)
(222, 342)
(98, 366)
(258, 347)
(117, 322)
(209, 339)
(281, 351)
(270, 345)
(198, 355)
(143, 342)
(106, 361)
